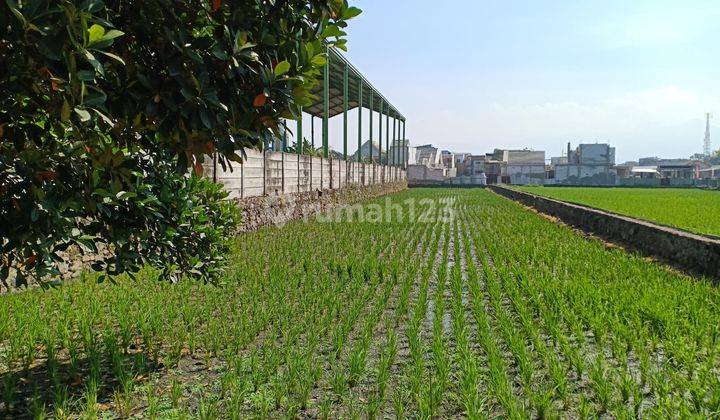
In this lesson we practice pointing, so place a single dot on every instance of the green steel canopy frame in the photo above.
(344, 88)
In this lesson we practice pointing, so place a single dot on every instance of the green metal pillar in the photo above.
(360, 112)
(387, 136)
(370, 113)
(326, 105)
(299, 137)
(406, 148)
(312, 132)
(395, 143)
(380, 131)
(401, 146)
(345, 110)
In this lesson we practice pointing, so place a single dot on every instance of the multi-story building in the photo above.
(448, 159)
(520, 167)
(427, 155)
(588, 164)
(560, 160)
(431, 164)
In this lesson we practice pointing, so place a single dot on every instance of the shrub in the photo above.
(105, 105)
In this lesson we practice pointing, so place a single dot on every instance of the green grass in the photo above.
(689, 209)
(494, 312)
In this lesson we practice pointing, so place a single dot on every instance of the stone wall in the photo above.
(74, 262)
(276, 210)
(689, 252)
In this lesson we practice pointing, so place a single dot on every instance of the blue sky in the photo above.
(474, 75)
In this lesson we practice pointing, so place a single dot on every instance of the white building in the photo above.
(560, 160)
(521, 167)
(589, 164)
(401, 153)
(431, 164)
(428, 155)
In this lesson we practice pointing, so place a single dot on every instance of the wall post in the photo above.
(299, 136)
(345, 110)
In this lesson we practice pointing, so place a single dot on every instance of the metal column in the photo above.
(380, 140)
(387, 136)
(299, 137)
(406, 148)
(380, 131)
(359, 152)
(370, 113)
(345, 109)
(395, 143)
(326, 105)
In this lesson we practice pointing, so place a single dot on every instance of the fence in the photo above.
(275, 173)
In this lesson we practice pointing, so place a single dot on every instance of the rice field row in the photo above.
(453, 303)
(693, 210)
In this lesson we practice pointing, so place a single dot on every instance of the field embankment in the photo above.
(692, 253)
(689, 209)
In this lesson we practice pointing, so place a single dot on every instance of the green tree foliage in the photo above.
(307, 148)
(105, 105)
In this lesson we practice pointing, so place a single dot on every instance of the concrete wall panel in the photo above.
(275, 173)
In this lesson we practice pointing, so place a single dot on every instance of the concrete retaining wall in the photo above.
(692, 253)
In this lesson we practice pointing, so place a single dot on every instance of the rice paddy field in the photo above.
(452, 303)
(693, 210)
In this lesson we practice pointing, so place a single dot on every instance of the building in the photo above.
(401, 153)
(518, 167)
(644, 172)
(474, 165)
(712, 172)
(460, 163)
(423, 173)
(676, 168)
(448, 159)
(428, 155)
(624, 170)
(588, 164)
(493, 170)
(560, 160)
(366, 149)
(431, 164)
